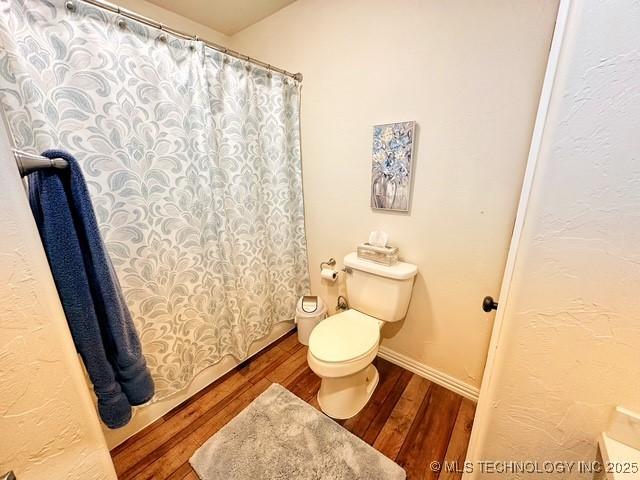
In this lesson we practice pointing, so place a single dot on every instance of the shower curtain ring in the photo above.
(162, 37)
(70, 6)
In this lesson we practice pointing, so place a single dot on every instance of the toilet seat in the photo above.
(345, 337)
(341, 351)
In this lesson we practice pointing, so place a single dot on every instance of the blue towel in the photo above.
(98, 318)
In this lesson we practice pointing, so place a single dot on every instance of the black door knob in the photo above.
(489, 304)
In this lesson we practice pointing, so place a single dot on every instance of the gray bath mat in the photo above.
(279, 436)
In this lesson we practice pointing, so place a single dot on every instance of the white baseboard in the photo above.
(453, 384)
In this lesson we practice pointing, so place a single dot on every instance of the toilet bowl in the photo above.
(341, 350)
(342, 347)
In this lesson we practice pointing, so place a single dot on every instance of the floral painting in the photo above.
(392, 165)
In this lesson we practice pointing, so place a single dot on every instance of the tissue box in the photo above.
(383, 255)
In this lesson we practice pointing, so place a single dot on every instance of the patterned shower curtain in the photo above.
(193, 163)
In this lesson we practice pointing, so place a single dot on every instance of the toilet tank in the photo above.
(379, 290)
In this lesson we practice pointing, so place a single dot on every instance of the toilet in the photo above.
(342, 347)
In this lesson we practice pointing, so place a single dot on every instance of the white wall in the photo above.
(470, 74)
(48, 425)
(570, 347)
(174, 20)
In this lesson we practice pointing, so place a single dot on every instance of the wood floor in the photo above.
(409, 419)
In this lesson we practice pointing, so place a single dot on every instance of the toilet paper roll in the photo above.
(329, 274)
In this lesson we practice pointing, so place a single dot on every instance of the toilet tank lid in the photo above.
(399, 271)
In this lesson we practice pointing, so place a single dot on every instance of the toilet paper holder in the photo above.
(331, 262)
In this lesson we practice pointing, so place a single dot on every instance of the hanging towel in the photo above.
(98, 318)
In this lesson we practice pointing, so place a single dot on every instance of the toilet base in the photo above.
(344, 397)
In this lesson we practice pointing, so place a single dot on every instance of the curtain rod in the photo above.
(70, 5)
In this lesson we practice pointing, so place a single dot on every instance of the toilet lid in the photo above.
(345, 336)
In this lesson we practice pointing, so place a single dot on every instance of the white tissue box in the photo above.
(384, 255)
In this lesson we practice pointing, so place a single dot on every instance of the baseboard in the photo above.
(453, 384)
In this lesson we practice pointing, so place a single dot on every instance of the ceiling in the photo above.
(226, 16)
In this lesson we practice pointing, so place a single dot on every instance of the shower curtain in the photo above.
(192, 158)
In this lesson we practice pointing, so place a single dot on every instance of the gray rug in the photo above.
(279, 436)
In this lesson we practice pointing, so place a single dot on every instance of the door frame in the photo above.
(481, 422)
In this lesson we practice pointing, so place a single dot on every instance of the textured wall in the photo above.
(570, 349)
(470, 74)
(48, 426)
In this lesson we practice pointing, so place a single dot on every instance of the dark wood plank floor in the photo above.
(409, 419)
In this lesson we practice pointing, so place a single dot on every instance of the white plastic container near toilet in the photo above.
(310, 311)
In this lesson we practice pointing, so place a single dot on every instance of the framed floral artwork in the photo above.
(392, 168)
